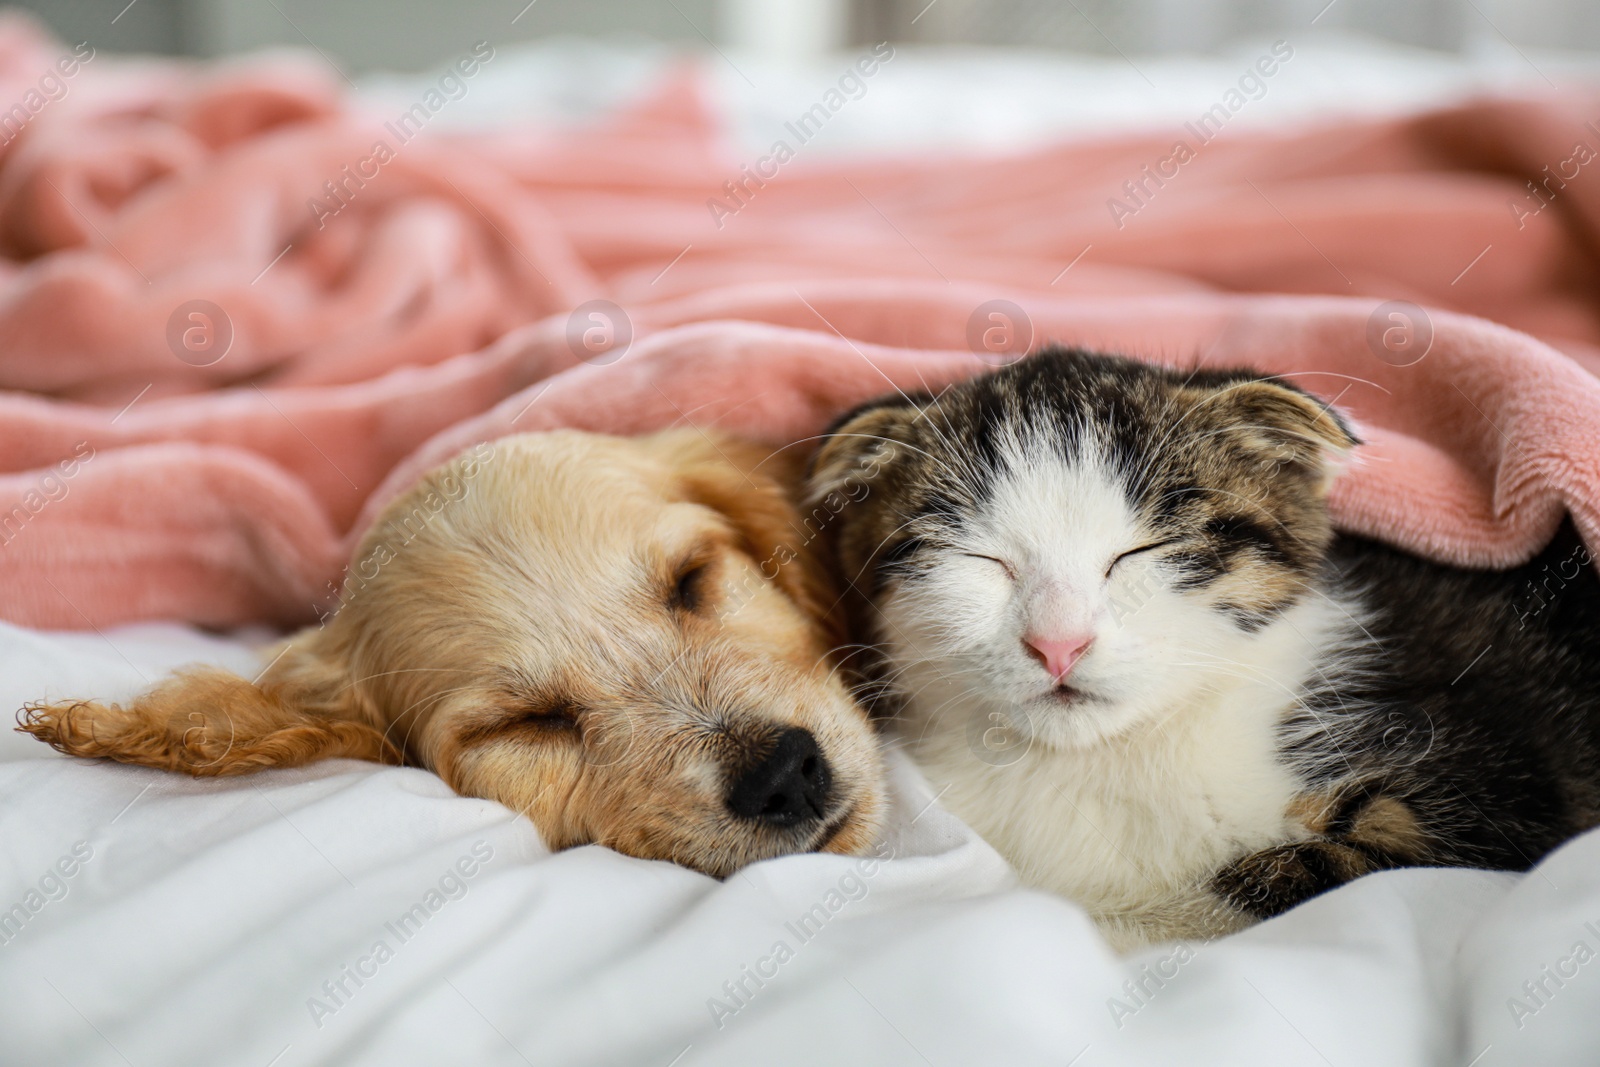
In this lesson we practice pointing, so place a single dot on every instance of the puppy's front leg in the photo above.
(208, 722)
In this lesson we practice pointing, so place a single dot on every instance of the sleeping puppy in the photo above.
(613, 636)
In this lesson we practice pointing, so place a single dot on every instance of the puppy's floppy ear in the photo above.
(754, 488)
(860, 443)
(208, 722)
(1287, 424)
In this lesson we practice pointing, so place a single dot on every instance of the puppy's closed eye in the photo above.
(693, 586)
(536, 718)
(559, 715)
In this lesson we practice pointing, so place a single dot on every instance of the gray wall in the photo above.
(413, 34)
(1169, 25)
(362, 34)
(1133, 26)
(148, 26)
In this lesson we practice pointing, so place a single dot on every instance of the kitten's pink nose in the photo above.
(1058, 654)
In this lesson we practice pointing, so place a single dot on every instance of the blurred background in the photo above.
(405, 35)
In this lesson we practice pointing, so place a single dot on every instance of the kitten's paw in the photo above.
(1272, 881)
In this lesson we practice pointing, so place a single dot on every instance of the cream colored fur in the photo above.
(513, 623)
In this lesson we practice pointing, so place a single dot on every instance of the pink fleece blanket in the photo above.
(237, 313)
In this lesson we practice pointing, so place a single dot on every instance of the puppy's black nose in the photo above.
(788, 787)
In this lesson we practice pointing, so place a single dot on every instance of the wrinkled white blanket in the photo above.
(347, 914)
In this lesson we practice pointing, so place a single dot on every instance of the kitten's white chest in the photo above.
(1132, 828)
(1123, 827)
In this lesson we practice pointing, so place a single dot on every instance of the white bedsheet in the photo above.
(202, 919)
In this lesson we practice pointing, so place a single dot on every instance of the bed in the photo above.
(349, 914)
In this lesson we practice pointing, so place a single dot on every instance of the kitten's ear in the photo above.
(860, 444)
(1288, 425)
(208, 722)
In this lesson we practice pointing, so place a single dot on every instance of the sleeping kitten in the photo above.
(1108, 608)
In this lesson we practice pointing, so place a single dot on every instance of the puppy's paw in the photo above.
(71, 727)
(205, 723)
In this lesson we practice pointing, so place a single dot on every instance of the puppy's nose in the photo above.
(788, 787)
(1058, 655)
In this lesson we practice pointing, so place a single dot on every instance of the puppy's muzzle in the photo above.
(789, 787)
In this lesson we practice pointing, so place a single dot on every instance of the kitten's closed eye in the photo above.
(1011, 572)
(1151, 547)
